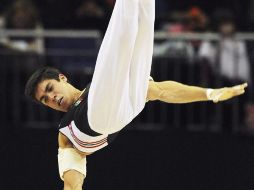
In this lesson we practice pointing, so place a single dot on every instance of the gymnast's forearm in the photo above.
(73, 180)
(175, 92)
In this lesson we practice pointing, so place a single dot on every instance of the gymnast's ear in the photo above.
(62, 77)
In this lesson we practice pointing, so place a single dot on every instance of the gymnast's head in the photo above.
(49, 87)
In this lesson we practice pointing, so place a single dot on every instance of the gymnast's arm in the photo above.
(73, 180)
(175, 92)
(64, 142)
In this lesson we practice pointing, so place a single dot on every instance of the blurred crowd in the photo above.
(171, 16)
(94, 14)
(228, 59)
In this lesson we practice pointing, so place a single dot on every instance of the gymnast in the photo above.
(120, 87)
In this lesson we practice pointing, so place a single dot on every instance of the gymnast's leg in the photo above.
(112, 101)
(142, 56)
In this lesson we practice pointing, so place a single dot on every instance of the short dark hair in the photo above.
(38, 76)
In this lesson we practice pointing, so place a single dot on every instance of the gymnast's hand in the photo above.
(222, 94)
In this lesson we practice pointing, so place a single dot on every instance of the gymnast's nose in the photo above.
(52, 97)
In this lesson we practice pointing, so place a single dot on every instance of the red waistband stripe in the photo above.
(86, 144)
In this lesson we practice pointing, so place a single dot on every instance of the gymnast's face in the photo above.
(58, 95)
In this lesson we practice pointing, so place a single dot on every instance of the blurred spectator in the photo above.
(196, 20)
(22, 15)
(174, 49)
(192, 20)
(93, 14)
(228, 62)
(228, 57)
(90, 8)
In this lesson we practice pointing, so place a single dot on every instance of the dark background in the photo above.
(169, 159)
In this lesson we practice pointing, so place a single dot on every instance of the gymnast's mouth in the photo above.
(60, 101)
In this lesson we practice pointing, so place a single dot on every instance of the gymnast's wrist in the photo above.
(209, 92)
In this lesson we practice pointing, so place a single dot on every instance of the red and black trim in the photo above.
(84, 144)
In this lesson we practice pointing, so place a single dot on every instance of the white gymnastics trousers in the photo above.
(119, 86)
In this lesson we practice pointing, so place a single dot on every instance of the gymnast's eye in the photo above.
(50, 88)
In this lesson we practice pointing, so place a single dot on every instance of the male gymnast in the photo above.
(120, 87)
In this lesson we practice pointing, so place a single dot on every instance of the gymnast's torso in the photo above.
(74, 125)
